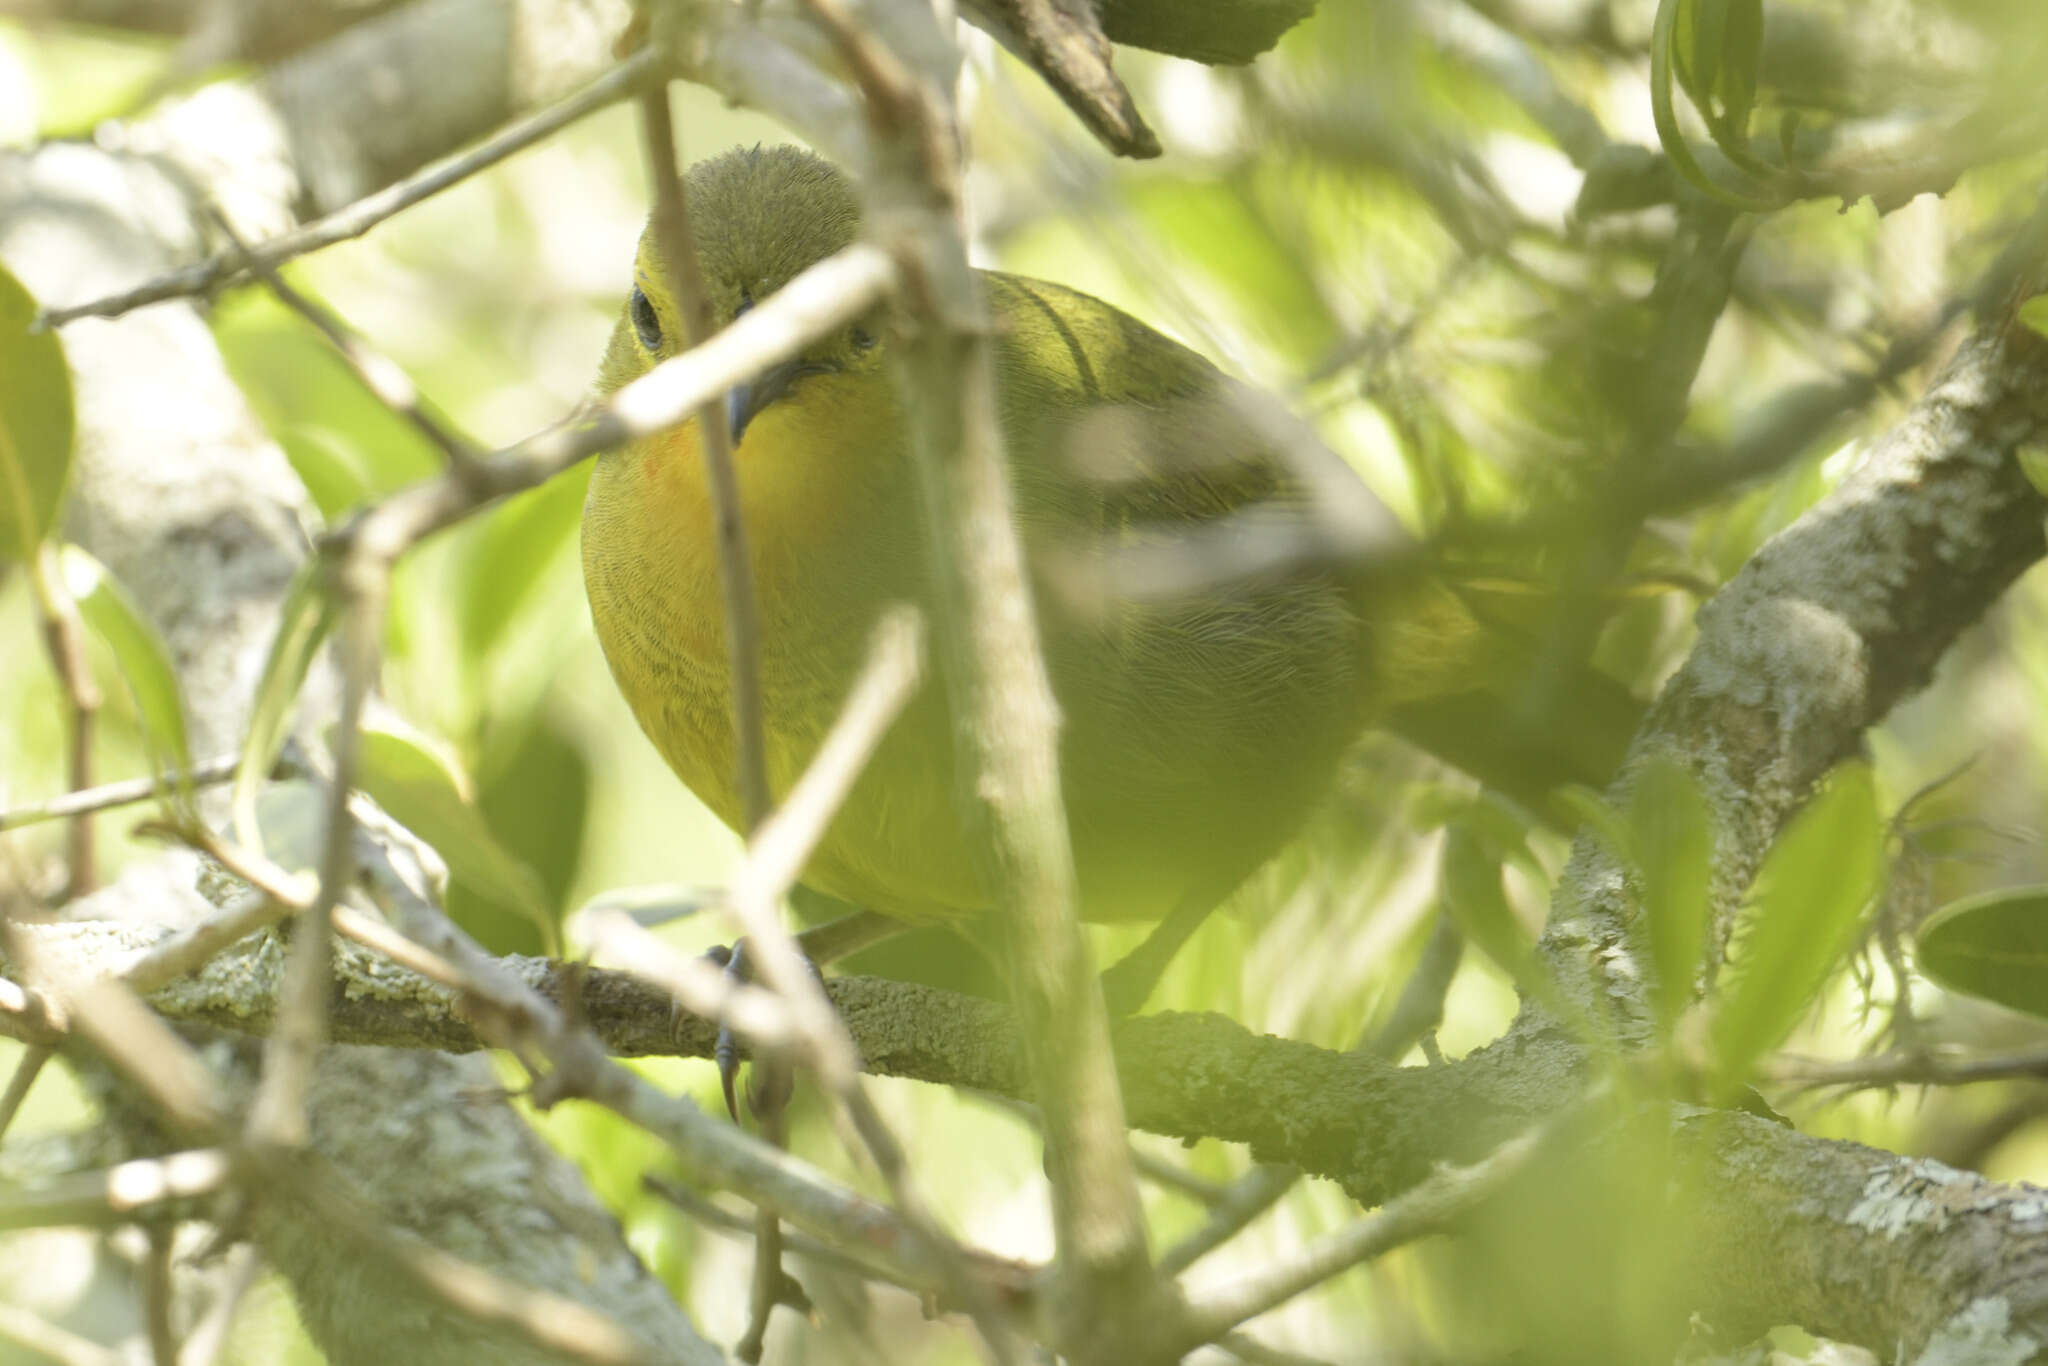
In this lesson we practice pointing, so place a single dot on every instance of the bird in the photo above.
(1197, 732)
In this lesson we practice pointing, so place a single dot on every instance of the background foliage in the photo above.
(1357, 222)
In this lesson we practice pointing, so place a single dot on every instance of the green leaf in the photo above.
(328, 464)
(1664, 54)
(1742, 43)
(1589, 809)
(1993, 946)
(298, 385)
(139, 652)
(507, 563)
(1673, 832)
(35, 424)
(1808, 901)
(303, 622)
(1715, 45)
(425, 790)
(1477, 902)
(2034, 313)
(1696, 47)
(2034, 465)
(292, 819)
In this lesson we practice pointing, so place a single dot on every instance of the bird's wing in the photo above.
(1117, 428)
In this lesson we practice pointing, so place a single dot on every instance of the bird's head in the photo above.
(760, 217)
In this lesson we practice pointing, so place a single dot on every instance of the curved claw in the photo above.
(772, 1091)
(726, 1052)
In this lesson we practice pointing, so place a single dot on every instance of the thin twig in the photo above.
(1428, 1208)
(1015, 1281)
(820, 299)
(126, 792)
(358, 218)
(64, 637)
(782, 844)
(156, 1298)
(1161, 1173)
(1414, 1018)
(1927, 1068)
(119, 1194)
(996, 678)
(138, 1043)
(209, 1337)
(383, 377)
(678, 251)
(33, 1059)
(279, 1114)
(759, 1017)
(46, 1339)
(513, 1016)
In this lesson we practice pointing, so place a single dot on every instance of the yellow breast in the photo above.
(829, 504)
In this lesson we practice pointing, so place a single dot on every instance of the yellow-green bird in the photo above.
(1196, 733)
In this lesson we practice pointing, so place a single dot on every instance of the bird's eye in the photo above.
(861, 338)
(746, 302)
(645, 321)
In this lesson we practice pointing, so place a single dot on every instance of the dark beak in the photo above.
(745, 401)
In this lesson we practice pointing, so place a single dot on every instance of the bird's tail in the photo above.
(1474, 685)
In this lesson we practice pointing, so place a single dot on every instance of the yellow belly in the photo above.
(1194, 738)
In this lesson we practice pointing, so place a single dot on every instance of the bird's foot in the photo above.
(772, 1085)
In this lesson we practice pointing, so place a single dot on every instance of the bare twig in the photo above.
(64, 638)
(366, 213)
(279, 1114)
(123, 793)
(1914, 1068)
(826, 296)
(782, 844)
(46, 1339)
(1015, 1282)
(156, 1298)
(203, 1345)
(1414, 1018)
(1431, 1207)
(678, 252)
(758, 1016)
(383, 377)
(33, 1059)
(118, 1194)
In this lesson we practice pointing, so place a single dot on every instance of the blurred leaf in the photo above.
(291, 817)
(297, 384)
(426, 791)
(1808, 900)
(1224, 226)
(1715, 46)
(303, 622)
(35, 424)
(504, 577)
(329, 465)
(2034, 465)
(1742, 41)
(1591, 810)
(1696, 48)
(89, 73)
(1474, 896)
(140, 653)
(1993, 946)
(2034, 313)
(1673, 831)
(1673, 18)
(533, 787)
